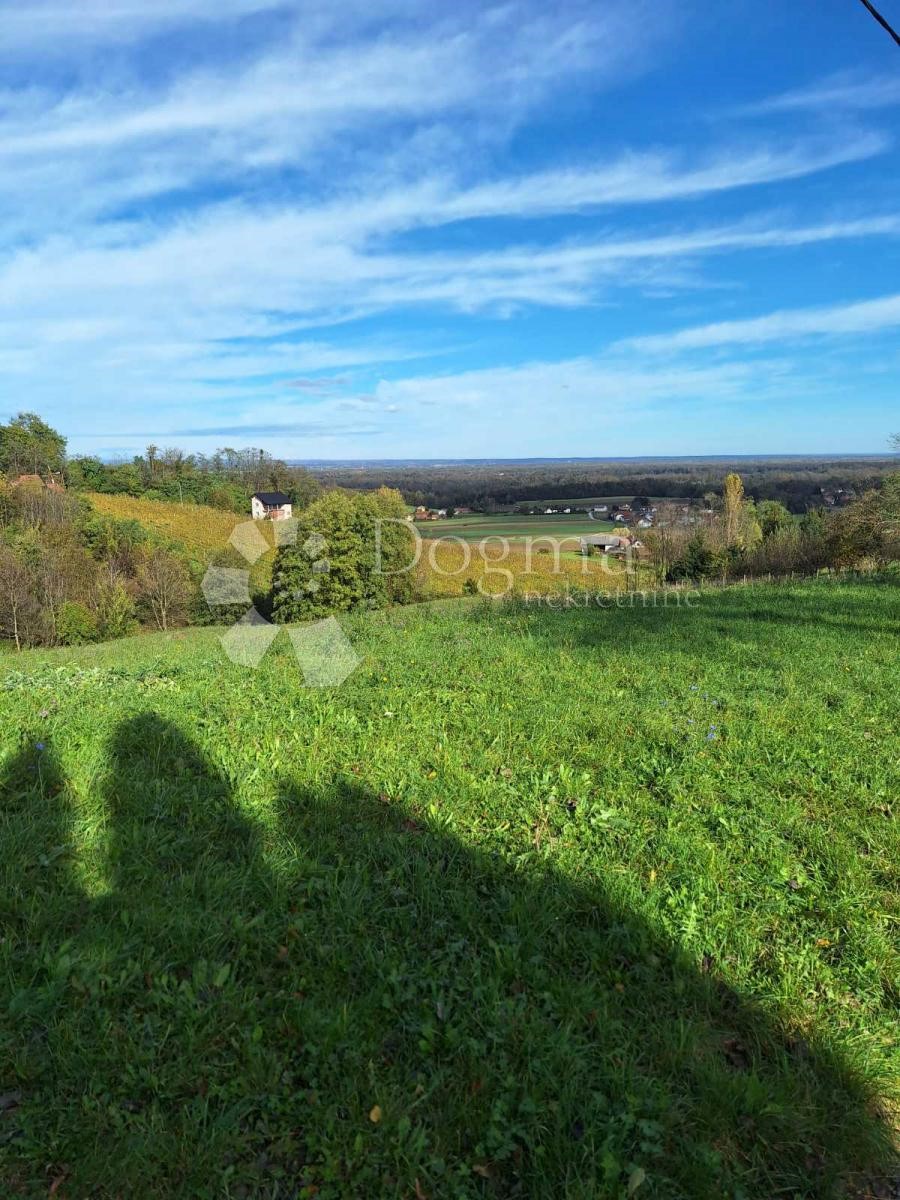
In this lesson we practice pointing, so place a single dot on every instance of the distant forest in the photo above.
(227, 478)
(798, 483)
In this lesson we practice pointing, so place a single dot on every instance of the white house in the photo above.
(270, 506)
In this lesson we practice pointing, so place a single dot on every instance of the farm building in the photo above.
(606, 543)
(272, 506)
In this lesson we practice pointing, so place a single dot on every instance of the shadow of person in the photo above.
(343, 1001)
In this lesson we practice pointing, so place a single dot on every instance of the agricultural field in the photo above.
(447, 568)
(585, 903)
(514, 527)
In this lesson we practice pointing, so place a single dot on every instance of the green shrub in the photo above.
(115, 611)
(76, 624)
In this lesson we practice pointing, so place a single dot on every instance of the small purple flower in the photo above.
(710, 736)
(39, 745)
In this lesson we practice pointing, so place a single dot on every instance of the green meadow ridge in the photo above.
(586, 903)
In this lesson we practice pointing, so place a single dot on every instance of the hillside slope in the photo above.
(203, 531)
(537, 903)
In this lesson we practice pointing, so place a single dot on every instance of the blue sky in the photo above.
(397, 229)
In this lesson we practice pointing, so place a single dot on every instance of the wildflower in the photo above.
(44, 713)
(710, 736)
(39, 745)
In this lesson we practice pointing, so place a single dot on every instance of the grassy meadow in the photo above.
(515, 527)
(581, 903)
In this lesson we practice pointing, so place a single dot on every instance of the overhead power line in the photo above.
(881, 21)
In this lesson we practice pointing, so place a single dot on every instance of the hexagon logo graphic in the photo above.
(323, 651)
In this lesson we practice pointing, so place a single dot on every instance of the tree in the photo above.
(894, 442)
(667, 539)
(772, 516)
(696, 562)
(166, 586)
(16, 598)
(350, 550)
(732, 505)
(29, 445)
(870, 526)
(304, 489)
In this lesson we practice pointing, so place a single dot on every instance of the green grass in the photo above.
(514, 527)
(497, 918)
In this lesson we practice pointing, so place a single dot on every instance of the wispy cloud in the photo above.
(847, 92)
(837, 320)
(267, 206)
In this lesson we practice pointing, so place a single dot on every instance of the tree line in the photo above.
(225, 479)
(798, 483)
(69, 575)
(737, 536)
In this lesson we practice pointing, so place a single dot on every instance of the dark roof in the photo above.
(273, 499)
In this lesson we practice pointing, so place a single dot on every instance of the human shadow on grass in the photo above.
(344, 1000)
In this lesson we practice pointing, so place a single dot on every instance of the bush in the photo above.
(76, 625)
(695, 563)
(115, 611)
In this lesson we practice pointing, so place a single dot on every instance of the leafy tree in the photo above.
(304, 489)
(350, 551)
(814, 524)
(696, 562)
(28, 445)
(869, 527)
(732, 506)
(772, 516)
(115, 608)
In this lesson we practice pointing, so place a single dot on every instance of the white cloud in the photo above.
(850, 92)
(837, 320)
(644, 178)
(172, 221)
